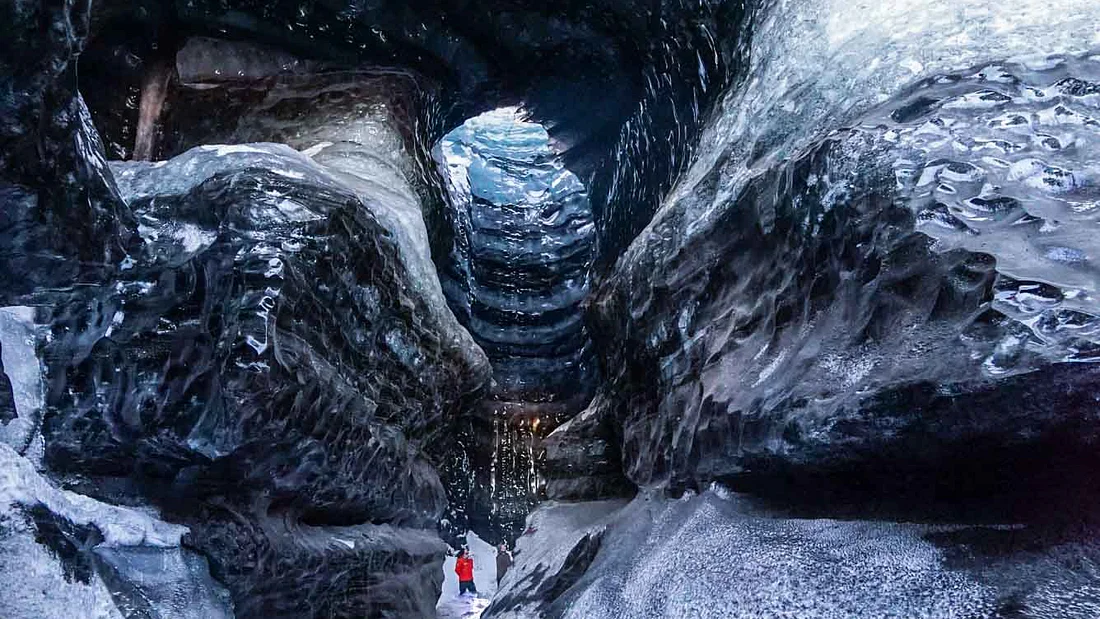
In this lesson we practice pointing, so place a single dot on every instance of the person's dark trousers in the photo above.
(466, 585)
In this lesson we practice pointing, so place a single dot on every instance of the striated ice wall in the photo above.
(519, 269)
(884, 252)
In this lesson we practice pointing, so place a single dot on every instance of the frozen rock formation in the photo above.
(267, 362)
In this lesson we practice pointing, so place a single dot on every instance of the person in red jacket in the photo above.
(464, 567)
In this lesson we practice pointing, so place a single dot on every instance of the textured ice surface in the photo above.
(885, 249)
(462, 607)
(375, 172)
(583, 460)
(204, 59)
(704, 556)
(20, 484)
(367, 169)
(303, 361)
(172, 583)
(36, 585)
(138, 180)
(719, 555)
(63, 221)
(18, 337)
(523, 246)
(815, 65)
(116, 561)
(517, 276)
(554, 531)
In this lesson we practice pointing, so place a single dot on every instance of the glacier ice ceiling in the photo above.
(708, 308)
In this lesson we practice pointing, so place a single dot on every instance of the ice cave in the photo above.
(607, 309)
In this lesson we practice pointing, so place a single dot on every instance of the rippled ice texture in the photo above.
(780, 290)
(814, 65)
(818, 65)
(1009, 166)
(523, 247)
(720, 555)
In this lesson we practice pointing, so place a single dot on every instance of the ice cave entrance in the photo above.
(516, 277)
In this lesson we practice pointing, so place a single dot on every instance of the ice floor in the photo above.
(453, 606)
(465, 607)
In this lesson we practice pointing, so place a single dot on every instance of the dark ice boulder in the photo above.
(583, 458)
(271, 373)
(61, 221)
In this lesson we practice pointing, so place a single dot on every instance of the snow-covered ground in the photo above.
(723, 555)
(453, 606)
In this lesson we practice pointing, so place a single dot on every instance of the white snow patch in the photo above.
(222, 150)
(18, 334)
(453, 606)
(116, 320)
(461, 607)
(193, 237)
(20, 484)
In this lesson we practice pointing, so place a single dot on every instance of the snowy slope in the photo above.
(451, 605)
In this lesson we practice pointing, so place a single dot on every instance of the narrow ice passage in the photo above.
(725, 309)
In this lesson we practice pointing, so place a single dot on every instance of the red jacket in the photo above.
(464, 567)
